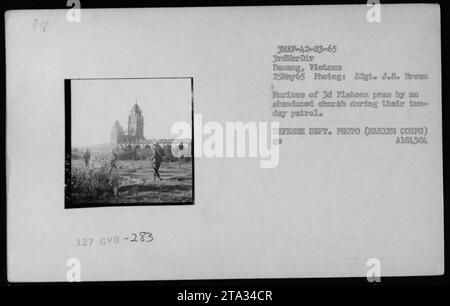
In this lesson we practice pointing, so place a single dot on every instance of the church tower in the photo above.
(117, 134)
(136, 122)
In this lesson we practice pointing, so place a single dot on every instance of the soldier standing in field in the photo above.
(87, 157)
(157, 160)
(180, 147)
(114, 160)
(114, 176)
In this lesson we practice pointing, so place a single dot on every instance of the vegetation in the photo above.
(131, 182)
(94, 182)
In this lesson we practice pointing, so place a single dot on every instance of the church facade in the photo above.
(133, 140)
(135, 132)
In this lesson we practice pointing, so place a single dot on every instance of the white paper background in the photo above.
(330, 205)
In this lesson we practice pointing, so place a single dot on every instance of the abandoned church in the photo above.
(133, 142)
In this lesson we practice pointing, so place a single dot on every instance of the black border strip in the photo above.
(68, 147)
(67, 140)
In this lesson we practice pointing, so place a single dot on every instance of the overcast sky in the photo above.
(97, 104)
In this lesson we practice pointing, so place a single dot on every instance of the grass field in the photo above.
(136, 184)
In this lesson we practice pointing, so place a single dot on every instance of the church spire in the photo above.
(136, 122)
(136, 109)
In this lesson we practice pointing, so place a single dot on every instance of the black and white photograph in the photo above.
(222, 152)
(122, 151)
